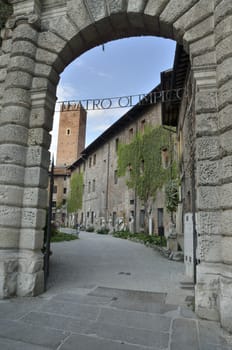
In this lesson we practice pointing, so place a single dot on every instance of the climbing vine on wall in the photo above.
(74, 201)
(142, 160)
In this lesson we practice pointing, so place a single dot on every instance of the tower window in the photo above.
(68, 131)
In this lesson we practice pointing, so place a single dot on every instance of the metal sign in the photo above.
(125, 101)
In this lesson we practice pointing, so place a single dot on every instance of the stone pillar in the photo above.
(21, 261)
(223, 36)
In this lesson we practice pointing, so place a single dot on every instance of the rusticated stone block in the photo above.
(196, 14)
(35, 197)
(22, 61)
(42, 83)
(11, 195)
(154, 8)
(208, 197)
(116, 6)
(14, 115)
(224, 95)
(4, 60)
(206, 123)
(208, 172)
(7, 45)
(223, 29)
(97, 9)
(225, 121)
(12, 154)
(9, 237)
(226, 169)
(206, 44)
(41, 118)
(25, 31)
(21, 47)
(19, 78)
(34, 218)
(209, 248)
(10, 216)
(17, 96)
(49, 58)
(207, 147)
(30, 284)
(224, 71)
(209, 223)
(3, 74)
(36, 177)
(200, 30)
(226, 222)
(78, 13)
(224, 48)
(174, 9)
(11, 174)
(206, 101)
(135, 5)
(51, 42)
(43, 70)
(37, 156)
(15, 134)
(226, 249)
(226, 193)
(8, 284)
(225, 303)
(222, 10)
(226, 143)
(39, 137)
(31, 239)
(206, 294)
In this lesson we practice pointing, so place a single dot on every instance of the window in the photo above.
(160, 218)
(90, 162)
(65, 190)
(165, 158)
(89, 186)
(55, 189)
(116, 144)
(132, 201)
(64, 201)
(65, 177)
(92, 217)
(116, 176)
(142, 218)
(114, 218)
(53, 204)
(68, 131)
(93, 185)
(143, 122)
(94, 159)
(131, 133)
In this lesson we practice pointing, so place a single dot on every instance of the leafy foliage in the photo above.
(61, 237)
(141, 237)
(74, 201)
(103, 231)
(143, 158)
(171, 195)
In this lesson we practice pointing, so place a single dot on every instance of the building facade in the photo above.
(71, 141)
(107, 200)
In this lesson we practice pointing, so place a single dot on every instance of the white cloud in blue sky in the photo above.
(126, 67)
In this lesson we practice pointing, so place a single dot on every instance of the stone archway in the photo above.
(41, 38)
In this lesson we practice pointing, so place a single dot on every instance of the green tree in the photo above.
(74, 201)
(143, 159)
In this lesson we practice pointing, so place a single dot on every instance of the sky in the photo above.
(128, 66)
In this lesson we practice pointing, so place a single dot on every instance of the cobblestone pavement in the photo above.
(108, 294)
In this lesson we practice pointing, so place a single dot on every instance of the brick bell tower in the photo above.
(71, 137)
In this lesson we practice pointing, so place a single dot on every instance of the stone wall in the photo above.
(41, 38)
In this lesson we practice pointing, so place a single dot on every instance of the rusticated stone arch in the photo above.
(40, 39)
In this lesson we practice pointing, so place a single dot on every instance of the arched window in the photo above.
(68, 131)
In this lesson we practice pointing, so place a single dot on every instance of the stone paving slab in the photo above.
(81, 342)
(142, 296)
(135, 319)
(8, 344)
(184, 335)
(83, 312)
(83, 299)
(57, 322)
(31, 334)
(135, 336)
(14, 309)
